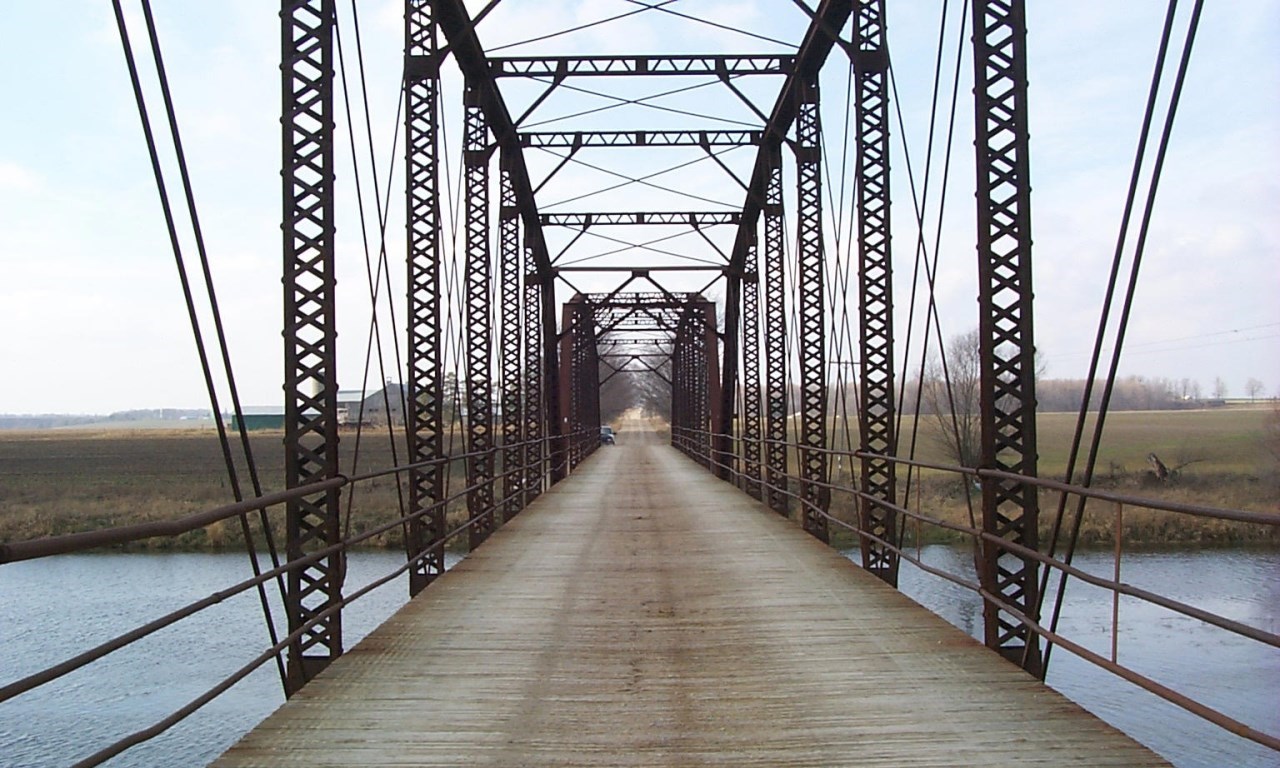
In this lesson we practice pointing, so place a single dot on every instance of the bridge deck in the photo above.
(643, 613)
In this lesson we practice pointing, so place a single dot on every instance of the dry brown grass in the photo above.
(64, 481)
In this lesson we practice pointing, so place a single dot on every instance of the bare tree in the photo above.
(957, 407)
(1219, 388)
(1253, 387)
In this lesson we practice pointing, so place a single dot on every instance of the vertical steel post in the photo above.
(532, 407)
(509, 352)
(875, 286)
(812, 320)
(478, 289)
(554, 390)
(751, 432)
(709, 366)
(1007, 345)
(727, 381)
(775, 336)
(425, 398)
(310, 332)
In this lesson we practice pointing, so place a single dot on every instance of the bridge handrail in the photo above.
(698, 444)
(81, 541)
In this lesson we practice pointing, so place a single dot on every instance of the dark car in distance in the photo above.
(606, 436)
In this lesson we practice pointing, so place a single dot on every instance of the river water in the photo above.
(41, 624)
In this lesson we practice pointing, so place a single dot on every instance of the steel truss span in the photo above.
(734, 322)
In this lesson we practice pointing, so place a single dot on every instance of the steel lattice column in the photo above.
(751, 375)
(875, 284)
(711, 384)
(775, 337)
(724, 400)
(812, 325)
(574, 382)
(1007, 346)
(509, 352)
(425, 398)
(531, 406)
(479, 323)
(310, 332)
(554, 394)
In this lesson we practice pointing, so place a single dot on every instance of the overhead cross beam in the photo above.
(580, 139)
(617, 66)
(620, 218)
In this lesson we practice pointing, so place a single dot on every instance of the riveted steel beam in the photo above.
(876, 423)
(532, 406)
(581, 139)
(775, 338)
(751, 389)
(510, 360)
(620, 66)
(1006, 345)
(811, 314)
(310, 334)
(619, 218)
(477, 302)
(425, 397)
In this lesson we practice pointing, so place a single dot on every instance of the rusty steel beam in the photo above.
(531, 405)
(876, 424)
(717, 65)
(510, 337)
(1006, 345)
(775, 338)
(811, 314)
(751, 390)
(310, 333)
(727, 379)
(425, 397)
(477, 302)
(621, 218)
(581, 139)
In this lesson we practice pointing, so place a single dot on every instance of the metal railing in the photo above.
(698, 445)
(556, 453)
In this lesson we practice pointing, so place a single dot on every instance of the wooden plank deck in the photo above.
(643, 613)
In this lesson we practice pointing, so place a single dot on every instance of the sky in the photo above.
(92, 319)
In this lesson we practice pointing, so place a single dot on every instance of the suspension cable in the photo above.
(162, 189)
(1135, 266)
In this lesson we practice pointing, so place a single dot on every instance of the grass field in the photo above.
(1224, 457)
(61, 481)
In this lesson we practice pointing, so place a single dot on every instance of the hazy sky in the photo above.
(92, 317)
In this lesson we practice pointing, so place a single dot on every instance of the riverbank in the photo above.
(64, 481)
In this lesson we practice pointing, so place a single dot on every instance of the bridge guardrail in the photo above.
(697, 444)
(584, 442)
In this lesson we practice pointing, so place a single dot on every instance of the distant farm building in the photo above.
(356, 407)
(259, 417)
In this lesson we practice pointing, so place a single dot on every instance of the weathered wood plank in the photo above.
(643, 613)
